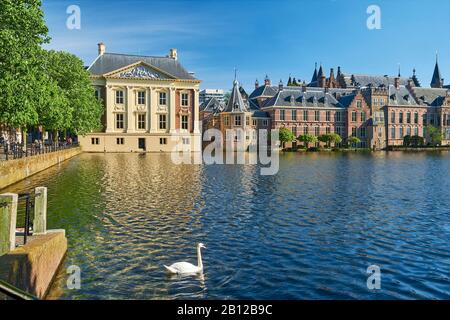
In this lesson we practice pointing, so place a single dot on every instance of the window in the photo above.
(226, 120)
(97, 94)
(305, 130)
(363, 116)
(448, 120)
(119, 121)
(305, 115)
(401, 133)
(162, 140)
(400, 117)
(184, 99)
(408, 131)
(247, 121)
(317, 131)
(120, 141)
(362, 132)
(416, 118)
(254, 122)
(393, 133)
(431, 119)
(416, 131)
(353, 116)
(408, 117)
(327, 116)
(375, 101)
(184, 122)
(237, 120)
(95, 141)
(359, 103)
(316, 115)
(381, 101)
(265, 123)
(353, 132)
(162, 98)
(141, 97)
(294, 115)
(338, 116)
(294, 131)
(339, 131)
(282, 115)
(141, 121)
(119, 97)
(424, 119)
(327, 130)
(186, 141)
(162, 121)
(392, 117)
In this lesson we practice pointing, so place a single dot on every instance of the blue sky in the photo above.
(274, 37)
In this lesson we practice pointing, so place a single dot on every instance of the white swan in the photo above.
(186, 267)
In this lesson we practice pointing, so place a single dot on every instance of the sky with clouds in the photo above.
(274, 37)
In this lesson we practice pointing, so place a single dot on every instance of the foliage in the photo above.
(307, 139)
(335, 138)
(417, 141)
(435, 135)
(407, 141)
(285, 135)
(39, 87)
(22, 87)
(353, 140)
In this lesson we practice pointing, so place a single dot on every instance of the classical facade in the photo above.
(151, 104)
(379, 110)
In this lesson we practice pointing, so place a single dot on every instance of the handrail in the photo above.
(15, 293)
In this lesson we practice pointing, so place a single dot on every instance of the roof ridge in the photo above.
(136, 55)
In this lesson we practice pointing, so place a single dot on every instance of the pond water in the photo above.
(308, 232)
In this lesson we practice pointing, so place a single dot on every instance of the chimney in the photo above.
(173, 54)
(256, 84)
(304, 88)
(267, 81)
(101, 48)
(280, 85)
(410, 83)
(397, 83)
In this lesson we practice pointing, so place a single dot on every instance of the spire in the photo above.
(267, 81)
(437, 81)
(415, 79)
(320, 74)
(289, 83)
(236, 102)
(280, 85)
(256, 84)
(314, 78)
(399, 73)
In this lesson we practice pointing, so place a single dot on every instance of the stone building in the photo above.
(151, 104)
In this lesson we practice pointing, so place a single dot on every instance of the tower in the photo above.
(437, 81)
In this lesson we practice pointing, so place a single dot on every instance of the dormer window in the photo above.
(359, 103)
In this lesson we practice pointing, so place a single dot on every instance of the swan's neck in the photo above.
(199, 257)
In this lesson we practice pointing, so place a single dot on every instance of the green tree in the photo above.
(79, 110)
(353, 141)
(335, 138)
(325, 138)
(417, 141)
(22, 87)
(407, 140)
(285, 135)
(307, 139)
(435, 135)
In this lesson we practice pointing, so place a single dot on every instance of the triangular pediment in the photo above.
(140, 70)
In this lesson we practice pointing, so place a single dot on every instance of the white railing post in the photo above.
(40, 211)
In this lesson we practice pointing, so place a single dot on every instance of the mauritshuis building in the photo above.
(379, 110)
(151, 104)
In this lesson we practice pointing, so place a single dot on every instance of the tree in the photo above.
(335, 138)
(79, 111)
(417, 141)
(325, 138)
(407, 140)
(353, 140)
(285, 135)
(22, 32)
(307, 139)
(435, 135)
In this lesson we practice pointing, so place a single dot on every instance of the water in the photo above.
(309, 232)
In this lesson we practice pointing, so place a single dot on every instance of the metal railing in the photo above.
(29, 205)
(15, 293)
(18, 151)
